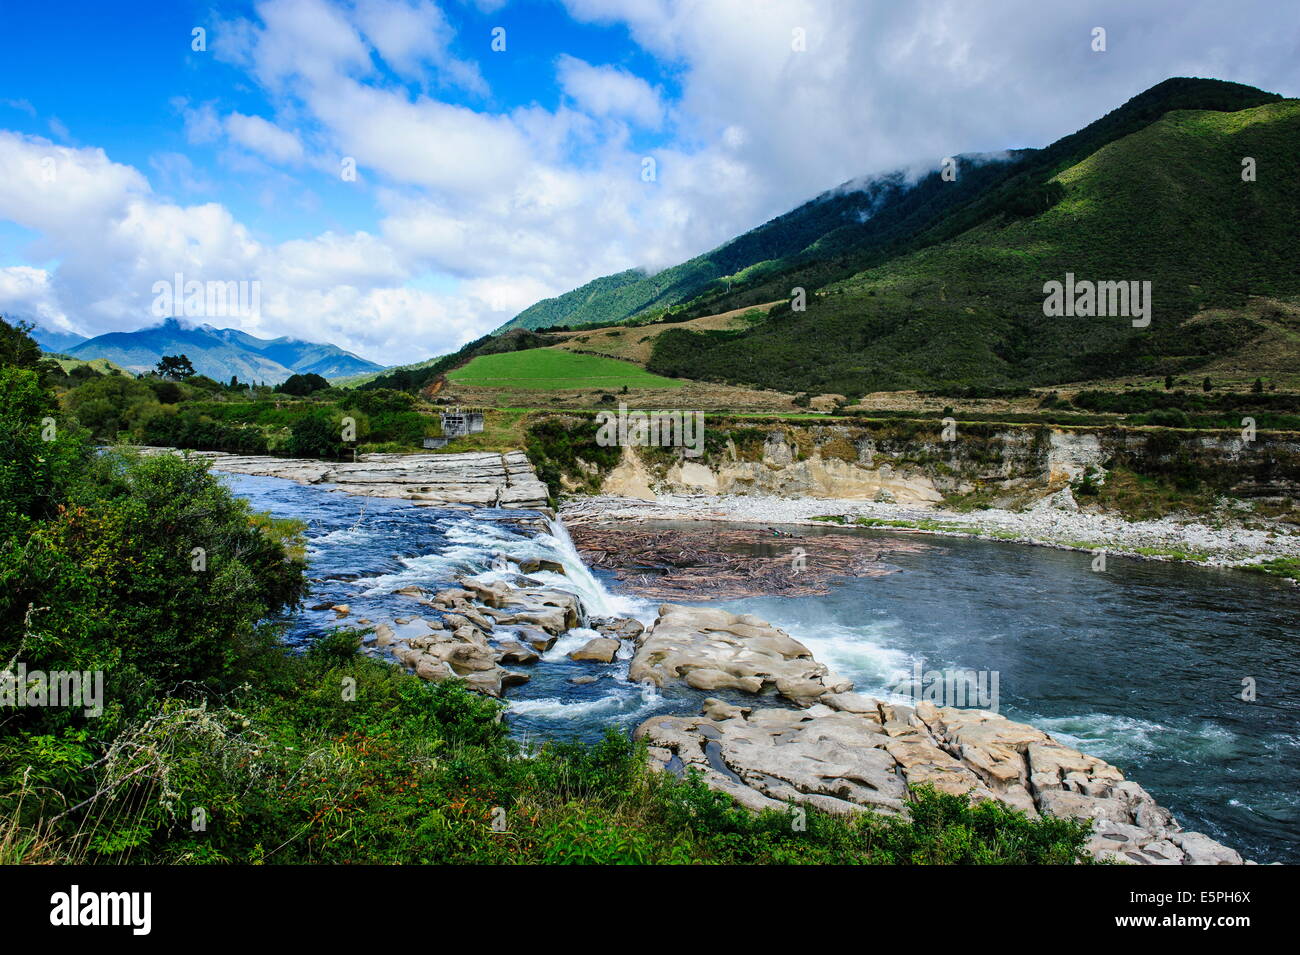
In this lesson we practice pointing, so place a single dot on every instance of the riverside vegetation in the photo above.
(217, 744)
(302, 417)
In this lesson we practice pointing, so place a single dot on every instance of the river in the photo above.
(1141, 665)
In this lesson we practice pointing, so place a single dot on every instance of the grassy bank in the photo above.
(294, 772)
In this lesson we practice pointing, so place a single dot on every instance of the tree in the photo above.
(302, 385)
(382, 401)
(17, 347)
(1258, 386)
(1169, 382)
(174, 367)
(315, 436)
(38, 453)
(1206, 385)
(168, 392)
(114, 568)
(111, 404)
(19, 350)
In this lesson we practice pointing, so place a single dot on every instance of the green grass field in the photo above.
(551, 369)
(101, 365)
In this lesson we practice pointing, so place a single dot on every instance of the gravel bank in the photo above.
(1054, 522)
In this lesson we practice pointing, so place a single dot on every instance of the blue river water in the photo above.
(1142, 665)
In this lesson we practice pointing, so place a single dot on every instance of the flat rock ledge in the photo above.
(472, 479)
(848, 753)
(710, 649)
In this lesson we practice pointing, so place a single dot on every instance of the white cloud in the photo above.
(410, 35)
(423, 142)
(610, 91)
(21, 105)
(202, 125)
(177, 173)
(309, 40)
(25, 293)
(53, 189)
(264, 138)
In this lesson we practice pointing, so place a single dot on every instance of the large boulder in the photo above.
(619, 628)
(772, 757)
(711, 649)
(532, 565)
(601, 650)
(554, 611)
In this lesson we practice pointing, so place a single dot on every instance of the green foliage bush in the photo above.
(203, 415)
(302, 385)
(555, 445)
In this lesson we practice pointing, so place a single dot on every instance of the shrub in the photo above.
(315, 436)
(302, 385)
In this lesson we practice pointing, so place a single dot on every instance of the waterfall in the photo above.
(597, 600)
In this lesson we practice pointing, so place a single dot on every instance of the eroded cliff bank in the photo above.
(1155, 493)
(924, 464)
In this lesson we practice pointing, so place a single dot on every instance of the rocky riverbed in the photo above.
(807, 739)
(774, 724)
(1056, 521)
(852, 753)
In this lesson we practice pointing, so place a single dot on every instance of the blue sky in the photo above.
(487, 180)
(79, 73)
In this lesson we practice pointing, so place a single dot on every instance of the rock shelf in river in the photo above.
(473, 479)
(710, 649)
(853, 753)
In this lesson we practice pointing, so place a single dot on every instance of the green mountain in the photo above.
(1165, 204)
(54, 340)
(864, 222)
(855, 214)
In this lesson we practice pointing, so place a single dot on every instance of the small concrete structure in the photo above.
(459, 422)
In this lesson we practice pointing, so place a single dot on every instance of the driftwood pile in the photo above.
(724, 563)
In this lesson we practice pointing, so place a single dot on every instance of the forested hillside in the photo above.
(864, 222)
(1166, 204)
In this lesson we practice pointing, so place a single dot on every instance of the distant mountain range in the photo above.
(53, 340)
(219, 353)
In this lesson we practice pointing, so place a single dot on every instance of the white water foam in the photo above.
(579, 579)
(858, 652)
(1122, 739)
(476, 549)
(623, 703)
